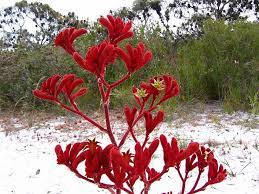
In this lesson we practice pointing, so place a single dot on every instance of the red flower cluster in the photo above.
(97, 58)
(117, 29)
(159, 89)
(66, 38)
(53, 86)
(135, 58)
(123, 169)
(151, 123)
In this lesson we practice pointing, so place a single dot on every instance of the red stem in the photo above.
(155, 178)
(105, 101)
(101, 185)
(179, 172)
(78, 112)
(145, 141)
(196, 182)
(184, 182)
(130, 130)
(146, 184)
(201, 189)
(104, 82)
(108, 124)
(123, 79)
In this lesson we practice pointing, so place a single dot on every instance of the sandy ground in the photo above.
(28, 162)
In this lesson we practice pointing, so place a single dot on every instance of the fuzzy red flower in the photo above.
(172, 153)
(135, 58)
(141, 96)
(93, 158)
(204, 155)
(143, 156)
(66, 38)
(48, 89)
(190, 164)
(164, 87)
(72, 155)
(130, 115)
(151, 173)
(97, 58)
(154, 87)
(171, 88)
(216, 173)
(151, 123)
(117, 29)
(53, 86)
(120, 167)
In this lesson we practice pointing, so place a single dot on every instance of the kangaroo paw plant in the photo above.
(108, 166)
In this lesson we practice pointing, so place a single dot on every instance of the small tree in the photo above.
(192, 13)
(16, 23)
(123, 169)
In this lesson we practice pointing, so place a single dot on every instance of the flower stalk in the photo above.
(123, 169)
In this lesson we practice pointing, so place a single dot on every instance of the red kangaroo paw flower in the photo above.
(117, 29)
(187, 152)
(53, 86)
(69, 86)
(172, 153)
(93, 163)
(80, 60)
(97, 58)
(116, 165)
(130, 115)
(140, 95)
(216, 174)
(135, 58)
(171, 88)
(71, 157)
(162, 85)
(150, 122)
(154, 87)
(47, 90)
(66, 38)
(106, 158)
(60, 155)
(119, 167)
(93, 158)
(126, 159)
(204, 155)
(142, 157)
(190, 164)
(74, 158)
(151, 173)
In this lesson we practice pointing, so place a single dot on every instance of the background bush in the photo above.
(220, 65)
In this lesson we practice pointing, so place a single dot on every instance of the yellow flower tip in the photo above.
(158, 84)
(141, 93)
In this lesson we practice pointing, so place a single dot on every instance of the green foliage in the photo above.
(21, 69)
(222, 65)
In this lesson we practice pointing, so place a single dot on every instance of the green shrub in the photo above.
(222, 65)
